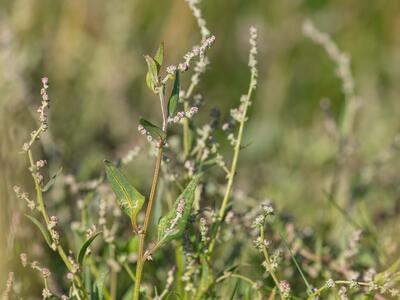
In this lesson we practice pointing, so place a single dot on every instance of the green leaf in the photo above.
(152, 75)
(206, 276)
(42, 229)
(51, 181)
(149, 82)
(129, 199)
(154, 131)
(129, 293)
(172, 225)
(173, 100)
(235, 289)
(85, 246)
(159, 57)
(307, 284)
(98, 285)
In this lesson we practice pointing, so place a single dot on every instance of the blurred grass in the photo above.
(93, 54)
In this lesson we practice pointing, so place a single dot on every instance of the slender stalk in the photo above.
(179, 265)
(114, 276)
(142, 233)
(42, 208)
(232, 171)
(268, 260)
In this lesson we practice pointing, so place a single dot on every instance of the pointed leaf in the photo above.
(154, 131)
(85, 246)
(42, 229)
(152, 71)
(51, 181)
(173, 100)
(173, 224)
(159, 57)
(129, 199)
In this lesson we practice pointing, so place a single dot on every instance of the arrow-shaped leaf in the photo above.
(173, 224)
(173, 100)
(129, 199)
(154, 131)
(42, 229)
(85, 246)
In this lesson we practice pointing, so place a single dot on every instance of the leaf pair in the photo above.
(154, 65)
(172, 225)
(153, 78)
(129, 199)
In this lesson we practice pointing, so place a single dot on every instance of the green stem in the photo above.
(179, 265)
(142, 233)
(268, 260)
(232, 171)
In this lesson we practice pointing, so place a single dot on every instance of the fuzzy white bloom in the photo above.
(343, 293)
(284, 287)
(182, 114)
(341, 59)
(196, 52)
(193, 5)
(330, 283)
(46, 293)
(131, 155)
(24, 196)
(46, 273)
(253, 57)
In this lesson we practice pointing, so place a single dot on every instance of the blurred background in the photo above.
(92, 51)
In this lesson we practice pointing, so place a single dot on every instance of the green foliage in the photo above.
(173, 224)
(152, 73)
(153, 130)
(84, 247)
(42, 229)
(173, 99)
(129, 198)
(159, 57)
(292, 151)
